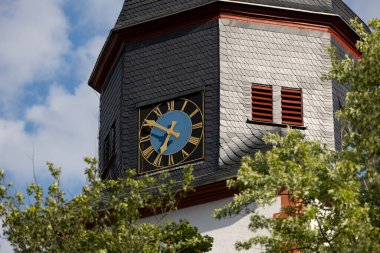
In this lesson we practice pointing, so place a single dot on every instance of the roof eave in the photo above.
(129, 34)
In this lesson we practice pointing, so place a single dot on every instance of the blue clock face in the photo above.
(171, 133)
(174, 144)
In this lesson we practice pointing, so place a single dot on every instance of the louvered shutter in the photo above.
(291, 105)
(262, 103)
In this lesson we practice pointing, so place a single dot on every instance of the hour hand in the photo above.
(153, 123)
(164, 146)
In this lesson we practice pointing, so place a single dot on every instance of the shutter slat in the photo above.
(296, 123)
(292, 112)
(294, 91)
(291, 107)
(261, 103)
(291, 117)
(262, 108)
(261, 98)
(262, 87)
(291, 101)
(262, 119)
(291, 96)
(264, 93)
(269, 115)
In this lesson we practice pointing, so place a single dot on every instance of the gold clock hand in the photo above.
(170, 131)
(153, 123)
(164, 146)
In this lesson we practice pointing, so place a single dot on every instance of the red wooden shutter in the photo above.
(262, 103)
(291, 105)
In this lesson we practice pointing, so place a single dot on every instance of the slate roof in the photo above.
(137, 11)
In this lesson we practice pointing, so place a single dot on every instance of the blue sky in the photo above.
(47, 111)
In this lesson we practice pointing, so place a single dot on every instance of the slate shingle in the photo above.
(136, 11)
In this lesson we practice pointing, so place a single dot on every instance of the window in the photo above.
(109, 146)
(113, 140)
(268, 111)
(106, 150)
(262, 103)
(291, 106)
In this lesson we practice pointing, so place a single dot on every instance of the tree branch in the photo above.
(323, 233)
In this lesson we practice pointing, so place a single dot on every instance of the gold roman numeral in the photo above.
(194, 112)
(198, 125)
(170, 160)
(184, 154)
(157, 111)
(171, 106)
(145, 138)
(184, 105)
(194, 140)
(148, 152)
(158, 160)
(147, 125)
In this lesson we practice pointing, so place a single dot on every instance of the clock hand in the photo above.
(164, 146)
(153, 123)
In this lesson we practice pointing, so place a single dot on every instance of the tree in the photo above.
(105, 217)
(334, 195)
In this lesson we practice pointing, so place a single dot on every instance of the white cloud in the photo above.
(65, 131)
(33, 41)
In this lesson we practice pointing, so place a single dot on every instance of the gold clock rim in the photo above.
(183, 161)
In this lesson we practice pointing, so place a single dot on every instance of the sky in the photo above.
(47, 111)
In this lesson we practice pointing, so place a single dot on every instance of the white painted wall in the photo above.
(226, 231)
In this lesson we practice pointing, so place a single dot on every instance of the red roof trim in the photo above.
(114, 45)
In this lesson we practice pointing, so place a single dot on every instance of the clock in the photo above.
(171, 133)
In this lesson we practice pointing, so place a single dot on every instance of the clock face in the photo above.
(171, 133)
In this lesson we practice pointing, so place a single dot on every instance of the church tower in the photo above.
(200, 82)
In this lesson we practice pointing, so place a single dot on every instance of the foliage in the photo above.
(334, 195)
(361, 114)
(327, 213)
(103, 218)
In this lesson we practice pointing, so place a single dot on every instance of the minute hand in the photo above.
(153, 123)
